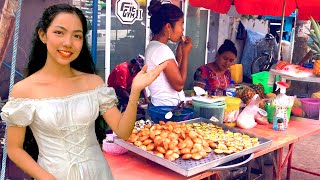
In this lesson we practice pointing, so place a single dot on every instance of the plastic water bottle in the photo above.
(231, 89)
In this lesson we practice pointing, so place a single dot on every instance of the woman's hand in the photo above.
(186, 45)
(179, 51)
(144, 79)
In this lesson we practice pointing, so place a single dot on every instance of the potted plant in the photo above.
(315, 45)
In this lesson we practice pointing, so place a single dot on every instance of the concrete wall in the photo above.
(224, 26)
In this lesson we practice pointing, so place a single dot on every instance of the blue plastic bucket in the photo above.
(157, 113)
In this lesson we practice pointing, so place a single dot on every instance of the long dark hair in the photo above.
(161, 14)
(37, 60)
(38, 54)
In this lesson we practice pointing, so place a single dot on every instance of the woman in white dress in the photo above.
(61, 98)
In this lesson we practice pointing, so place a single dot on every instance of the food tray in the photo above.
(191, 167)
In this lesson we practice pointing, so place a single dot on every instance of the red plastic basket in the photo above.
(311, 107)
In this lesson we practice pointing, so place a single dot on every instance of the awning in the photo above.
(264, 7)
(220, 6)
(306, 8)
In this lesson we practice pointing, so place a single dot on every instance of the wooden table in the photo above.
(132, 166)
(299, 128)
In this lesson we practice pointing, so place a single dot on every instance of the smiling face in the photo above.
(64, 38)
(225, 60)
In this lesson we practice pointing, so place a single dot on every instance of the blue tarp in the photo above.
(254, 46)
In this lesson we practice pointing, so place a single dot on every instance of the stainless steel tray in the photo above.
(192, 167)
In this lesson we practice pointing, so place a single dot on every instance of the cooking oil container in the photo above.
(231, 111)
(236, 73)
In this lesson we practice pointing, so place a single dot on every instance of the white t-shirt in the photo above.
(162, 94)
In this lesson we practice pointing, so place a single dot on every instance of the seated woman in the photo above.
(214, 77)
(121, 78)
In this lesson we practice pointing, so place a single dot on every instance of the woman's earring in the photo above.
(169, 35)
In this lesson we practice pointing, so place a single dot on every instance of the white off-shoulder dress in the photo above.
(64, 128)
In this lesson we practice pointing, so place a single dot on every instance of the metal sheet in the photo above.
(192, 167)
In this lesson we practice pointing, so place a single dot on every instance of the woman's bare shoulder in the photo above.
(22, 89)
(93, 80)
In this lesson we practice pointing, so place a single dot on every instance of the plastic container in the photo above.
(271, 109)
(311, 107)
(262, 78)
(236, 73)
(231, 111)
(112, 148)
(231, 89)
(207, 110)
(157, 113)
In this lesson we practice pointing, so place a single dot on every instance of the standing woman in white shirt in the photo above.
(166, 24)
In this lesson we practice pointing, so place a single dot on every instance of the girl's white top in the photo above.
(162, 94)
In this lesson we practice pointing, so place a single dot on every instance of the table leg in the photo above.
(275, 162)
(279, 163)
(289, 162)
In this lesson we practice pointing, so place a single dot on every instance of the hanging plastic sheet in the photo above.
(250, 51)
(241, 32)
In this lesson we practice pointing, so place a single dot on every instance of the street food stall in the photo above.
(140, 163)
(132, 165)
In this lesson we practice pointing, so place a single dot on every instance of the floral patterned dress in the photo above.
(214, 84)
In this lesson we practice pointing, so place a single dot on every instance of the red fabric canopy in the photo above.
(220, 6)
(306, 8)
(264, 7)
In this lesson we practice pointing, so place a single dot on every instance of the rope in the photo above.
(13, 66)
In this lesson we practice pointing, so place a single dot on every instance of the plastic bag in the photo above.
(246, 117)
(241, 32)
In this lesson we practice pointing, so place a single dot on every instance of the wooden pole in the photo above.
(281, 30)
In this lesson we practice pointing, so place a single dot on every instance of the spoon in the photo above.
(169, 114)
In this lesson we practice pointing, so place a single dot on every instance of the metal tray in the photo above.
(191, 167)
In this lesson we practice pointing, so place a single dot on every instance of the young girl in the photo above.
(60, 100)
(166, 24)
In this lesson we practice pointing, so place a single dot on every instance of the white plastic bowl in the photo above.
(112, 148)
